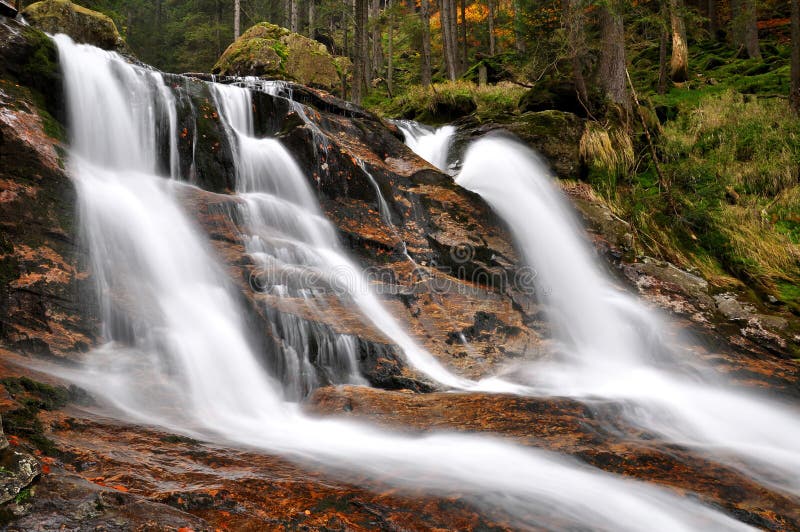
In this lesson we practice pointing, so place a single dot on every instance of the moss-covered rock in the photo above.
(555, 135)
(80, 23)
(271, 51)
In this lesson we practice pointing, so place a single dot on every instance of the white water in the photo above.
(186, 362)
(263, 165)
(431, 144)
(614, 347)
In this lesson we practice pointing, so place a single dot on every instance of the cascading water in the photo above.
(264, 166)
(431, 144)
(188, 364)
(612, 346)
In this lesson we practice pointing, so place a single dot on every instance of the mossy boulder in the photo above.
(555, 135)
(274, 52)
(81, 24)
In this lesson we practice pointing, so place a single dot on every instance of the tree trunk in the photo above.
(751, 29)
(311, 18)
(293, 22)
(744, 21)
(425, 67)
(377, 47)
(679, 66)
(237, 7)
(449, 38)
(464, 57)
(611, 71)
(663, 69)
(287, 13)
(794, 96)
(361, 54)
(572, 11)
(490, 5)
(519, 41)
(390, 51)
(713, 20)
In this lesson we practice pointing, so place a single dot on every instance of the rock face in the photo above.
(276, 53)
(41, 279)
(83, 25)
(448, 273)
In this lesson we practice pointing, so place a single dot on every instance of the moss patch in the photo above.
(274, 52)
(80, 23)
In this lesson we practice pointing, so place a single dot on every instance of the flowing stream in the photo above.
(612, 346)
(431, 144)
(180, 356)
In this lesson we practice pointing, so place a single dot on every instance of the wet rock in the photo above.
(63, 501)
(45, 304)
(595, 432)
(80, 23)
(276, 53)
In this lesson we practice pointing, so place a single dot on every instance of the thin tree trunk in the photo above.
(573, 24)
(237, 8)
(449, 38)
(663, 69)
(713, 21)
(425, 67)
(519, 41)
(361, 55)
(679, 66)
(455, 54)
(744, 22)
(377, 47)
(490, 5)
(464, 50)
(794, 95)
(390, 51)
(287, 13)
(218, 25)
(311, 17)
(611, 71)
(294, 26)
(751, 29)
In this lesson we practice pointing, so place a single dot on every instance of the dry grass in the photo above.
(609, 150)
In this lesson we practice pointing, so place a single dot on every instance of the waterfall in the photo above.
(431, 144)
(614, 347)
(270, 180)
(181, 358)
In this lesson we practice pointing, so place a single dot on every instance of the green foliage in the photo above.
(732, 163)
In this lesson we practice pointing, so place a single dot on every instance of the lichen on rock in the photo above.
(274, 52)
(81, 24)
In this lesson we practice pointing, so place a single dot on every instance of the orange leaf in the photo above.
(121, 488)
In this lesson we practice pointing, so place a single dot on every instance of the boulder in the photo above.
(273, 52)
(555, 135)
(80, 23)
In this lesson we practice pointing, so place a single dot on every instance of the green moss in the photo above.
(24, 495)
(81, 24)
(789, 292)
(274, 52)
(34, 396)
(37, 394)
